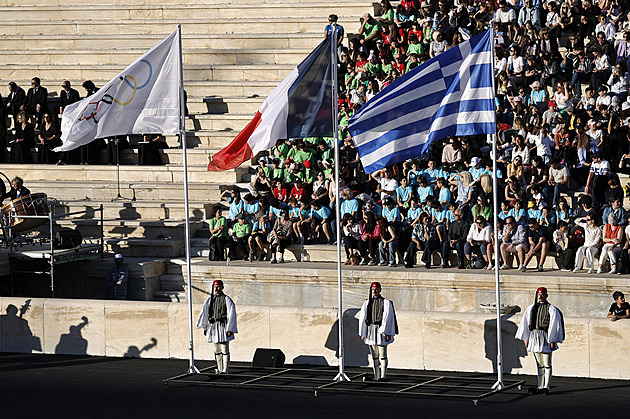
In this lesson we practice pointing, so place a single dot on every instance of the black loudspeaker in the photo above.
(268, 358)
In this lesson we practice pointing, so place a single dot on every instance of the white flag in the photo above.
(143, 99)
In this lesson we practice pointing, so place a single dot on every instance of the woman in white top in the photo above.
(601, 72)
(516, 67)
(520, 149)
(592, 238)
(479, 237)
(438, 45)
(596, 136)
(563, 95)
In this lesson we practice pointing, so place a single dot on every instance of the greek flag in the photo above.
(451, 94)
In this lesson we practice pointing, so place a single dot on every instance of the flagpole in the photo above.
(341, 375)
(182, 136)
(493, 137)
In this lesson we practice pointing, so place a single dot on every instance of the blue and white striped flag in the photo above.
(451, 94)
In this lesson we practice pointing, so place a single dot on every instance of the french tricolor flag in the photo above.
(301, 106)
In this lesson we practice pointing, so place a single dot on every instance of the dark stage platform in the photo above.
(319, 380)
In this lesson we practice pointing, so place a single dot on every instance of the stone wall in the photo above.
(427, 340)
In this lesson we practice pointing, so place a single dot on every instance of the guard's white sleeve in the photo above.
(202, 321)
(362, 325)
(555, 333)
(231, 316)
(523, 329)
(388, 325)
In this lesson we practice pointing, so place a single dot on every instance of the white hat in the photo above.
(475, 161)
(118, 256)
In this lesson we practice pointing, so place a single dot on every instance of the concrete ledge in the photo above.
(427, 340)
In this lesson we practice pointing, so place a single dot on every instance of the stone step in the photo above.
(234, 105)
(107, 190)
(153, 3)
(169, 282)
(52, 74)
(166, 26)
(142, 247)
(194, 88)
(134, 175)
(124, 209)
(127, 56)
(170, 296)
(122, 229)
(220, 122)
(177, 11)
(74, 42)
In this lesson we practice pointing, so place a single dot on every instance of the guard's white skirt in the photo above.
(217, 333)
(375, 338)
(538, 342)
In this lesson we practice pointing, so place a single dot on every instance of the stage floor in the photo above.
(79, 386)
(320, 380)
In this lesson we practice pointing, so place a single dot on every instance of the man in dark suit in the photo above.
(15, 100)
(67, 96)
(36, 101)
(17, 190)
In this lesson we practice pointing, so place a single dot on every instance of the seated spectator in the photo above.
(562, 244)
(218, 235)
(390, 212)
(538, 242)
(241, 232)
(258, 237)
(479, 238)
(424, 189)
(598, 177)
(280, 236)
(558, 180)
(351, 236)
(456, 239)
(482, 207)
(616, 208)
(620, 309)
(403, 194)
(519, 214)
(319, 220)
(370, 239)
(389, 243)
(612, 236)
(592, 239)
(514, 242)
(386, 183)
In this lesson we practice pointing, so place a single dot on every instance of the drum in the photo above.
(33, 204)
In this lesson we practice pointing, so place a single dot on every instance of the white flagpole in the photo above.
(341, 375)
(182, 136)
(493, 137)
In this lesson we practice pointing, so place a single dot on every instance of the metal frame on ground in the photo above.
(318, 380)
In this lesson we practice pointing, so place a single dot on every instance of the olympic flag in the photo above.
(143, 99)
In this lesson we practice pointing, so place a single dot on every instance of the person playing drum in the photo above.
(18, 190)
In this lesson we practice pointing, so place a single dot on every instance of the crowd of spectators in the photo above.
(561, 77)
(36, 118)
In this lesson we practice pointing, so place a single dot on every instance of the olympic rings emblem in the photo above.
(109, 99)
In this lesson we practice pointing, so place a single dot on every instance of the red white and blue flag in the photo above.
(301, 106)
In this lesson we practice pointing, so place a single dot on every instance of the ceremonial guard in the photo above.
(218, 320)
(377, 327)
(541, 328)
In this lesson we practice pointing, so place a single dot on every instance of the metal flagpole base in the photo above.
(192, 370)
(341, 376)
(498, 386)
